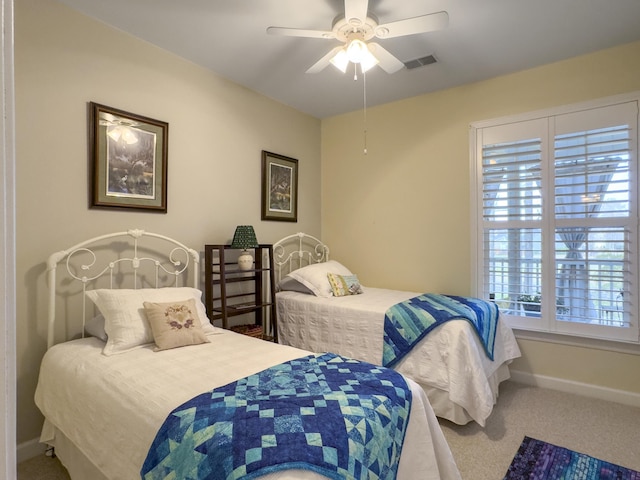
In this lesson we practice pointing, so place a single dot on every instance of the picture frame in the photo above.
(279, 187)
(128, 160)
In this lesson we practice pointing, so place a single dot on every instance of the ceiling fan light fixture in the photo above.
(356, 50)
(341, 60)
(368, 61)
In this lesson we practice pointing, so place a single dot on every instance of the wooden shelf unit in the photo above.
(224, 292)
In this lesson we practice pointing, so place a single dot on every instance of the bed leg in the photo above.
(50, 451)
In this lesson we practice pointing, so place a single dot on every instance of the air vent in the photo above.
(420, 62)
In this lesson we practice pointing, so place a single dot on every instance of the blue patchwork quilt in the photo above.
(406, 323)
(339, 417)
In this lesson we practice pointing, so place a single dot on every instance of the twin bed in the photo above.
(450, 364)
(109, 396)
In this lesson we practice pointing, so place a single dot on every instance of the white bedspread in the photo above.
(450, 358)
(111, 407)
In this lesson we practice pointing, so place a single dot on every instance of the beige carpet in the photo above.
(42, 468)
(601, 429)
(604, 430)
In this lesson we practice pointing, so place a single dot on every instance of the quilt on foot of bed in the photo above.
(289, 416)
(406, 323)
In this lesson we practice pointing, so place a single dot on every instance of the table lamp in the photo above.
(244, 238)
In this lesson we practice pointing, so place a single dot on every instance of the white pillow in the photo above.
(288, 284)
(314, 276)
(95, 327)
(126, 323)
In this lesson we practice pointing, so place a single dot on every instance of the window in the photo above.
(556, 223)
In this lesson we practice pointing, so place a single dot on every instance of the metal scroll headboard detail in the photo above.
(173, 262)
(296, 251)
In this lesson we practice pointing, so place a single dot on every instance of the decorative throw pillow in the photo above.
(175, 324)
(126, 324)
(314, 276)
(342, 285)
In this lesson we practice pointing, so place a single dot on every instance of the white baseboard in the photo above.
(29, 449)
(569, 386)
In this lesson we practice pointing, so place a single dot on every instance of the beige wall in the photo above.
(400, 216)
(216, 132)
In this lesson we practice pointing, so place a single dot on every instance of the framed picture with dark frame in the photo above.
(129, 160)
(279, 187)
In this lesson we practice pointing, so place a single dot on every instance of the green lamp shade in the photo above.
(244, 237)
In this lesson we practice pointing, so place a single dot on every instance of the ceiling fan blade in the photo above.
(411, 26)
(355, 11)
(299, 32)
(387, 62)
(324, 61)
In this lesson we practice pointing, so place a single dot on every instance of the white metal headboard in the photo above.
(296, 251)
(107, 255)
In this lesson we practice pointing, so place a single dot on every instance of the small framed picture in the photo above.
(129, 160)
(279, 187)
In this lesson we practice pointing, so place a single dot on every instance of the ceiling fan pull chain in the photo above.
(364, 90)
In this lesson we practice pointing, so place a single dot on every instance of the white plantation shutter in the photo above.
(557, 227)
(511, 186)
(594, 219)
(512, 159)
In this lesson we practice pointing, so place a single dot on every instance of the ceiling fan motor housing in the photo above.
(344, 29)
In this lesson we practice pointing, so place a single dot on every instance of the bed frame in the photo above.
(296, 251)
(131, 259)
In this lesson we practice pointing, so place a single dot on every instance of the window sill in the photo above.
(574, 341)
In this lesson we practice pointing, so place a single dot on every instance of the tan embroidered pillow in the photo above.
(175, 324)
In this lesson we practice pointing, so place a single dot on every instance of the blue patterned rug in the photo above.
(538, 460)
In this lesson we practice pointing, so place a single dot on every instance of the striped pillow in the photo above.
(342, 285)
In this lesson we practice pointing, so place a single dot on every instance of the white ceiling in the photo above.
(484, 39)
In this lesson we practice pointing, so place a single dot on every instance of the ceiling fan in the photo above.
(355, 28)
